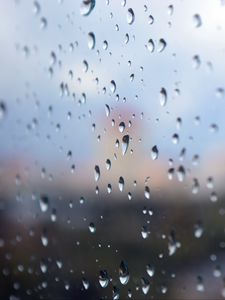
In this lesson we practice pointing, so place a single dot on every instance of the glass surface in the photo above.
(112, 153)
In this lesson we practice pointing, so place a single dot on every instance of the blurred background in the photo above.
(112, 130)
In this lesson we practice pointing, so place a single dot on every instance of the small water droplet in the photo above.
(163, 96)
(43, 23)
(197, 21)
(198, 230)
(107, 110)
(97, 173)
(175, 138)
(122, 127)
(85, 66)
(112, 86)
(180, 173)
(85, 283)
(125, 143)
(147, 192)
(44, 203)
(144, 232)
(87, 7)
(108, 164)
(103, 279)
(150, 270)
(105, 45)
(130, 16)
(124, 275)
(154, 152)
(121, 183)
(151, 45)
(150, 19)
(2, 110)
(91, 40)
(161, 45)
(145, 285)
(92, 227)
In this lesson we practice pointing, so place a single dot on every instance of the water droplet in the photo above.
(150, 20)
(150, 270)
(145, 285)
(125, 143)
(147, 192)
(36, 8)
(214, 197)
(172, 244)
(151, 45)
(170, 10)
(107, 110)
(92, 227)
(121, 183)
(144, 232)
(85, 283)
(91, 40)
(2, 110)
(122, 127)
(161, 45)
(195, 186)
(105, 45)
(44, 203)
(44, 239)
(126, 38)
(43, 23)
(175, 138)
(154, 152)
(87, 7)
(108, 164)
(85, 66)
(103, 279)
(170, 173)
(112, 86)
(180, 173)
(197, 21)
(115, 293)
(210, 183)
(97, 173)
(200, 285)
(130, 16)
(196, 62)
(198, 230)
(124, 275)
(163, 96)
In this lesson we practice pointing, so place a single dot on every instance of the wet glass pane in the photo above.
(112, 130)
